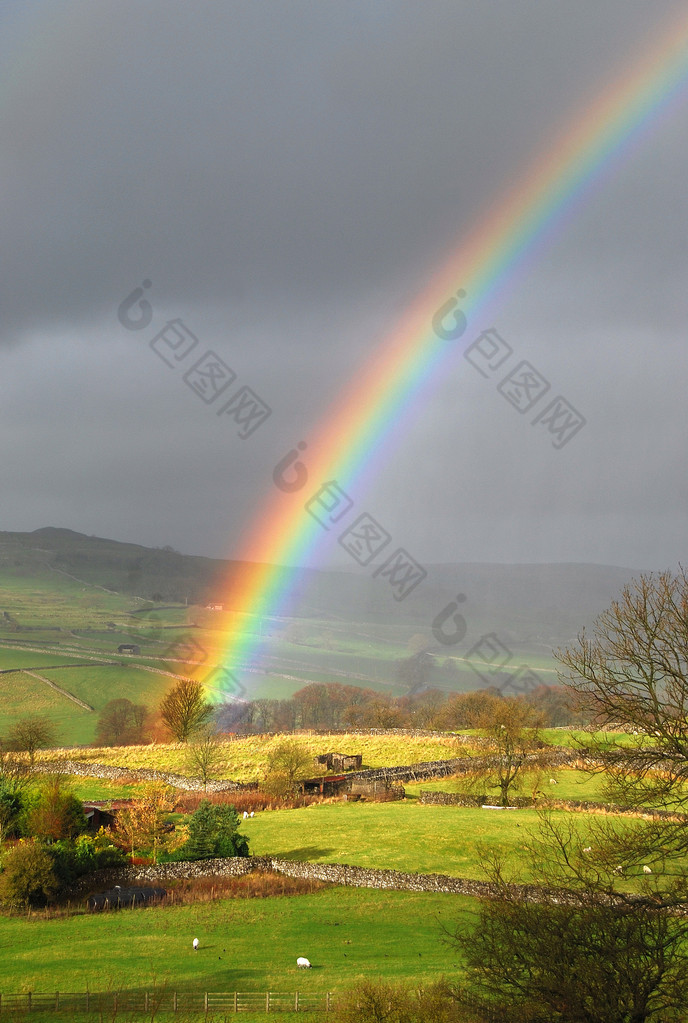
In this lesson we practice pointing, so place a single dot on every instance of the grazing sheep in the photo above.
(618, 870)
(253, 813)
(588, 848)
(646, 870)
(303, 963)
(245, 815)
(195, 944)
(553, 781)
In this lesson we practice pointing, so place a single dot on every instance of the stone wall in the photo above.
(468, 799)
(112, 773)
(406, 772)
(330, 873)
(452, 798)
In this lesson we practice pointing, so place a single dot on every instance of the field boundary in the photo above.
(405, 772)
(340, 874)
(165, 1001)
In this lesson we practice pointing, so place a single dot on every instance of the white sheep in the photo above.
(588, 848)
(618, 870)
(646, 870)
(195, 944)
(303, 963)
(553, 781)
(245, 815)
(253, 813)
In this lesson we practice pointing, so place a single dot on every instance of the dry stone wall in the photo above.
(112, 773)
(330, 873)
(406, 772)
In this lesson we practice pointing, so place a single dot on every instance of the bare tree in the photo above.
(204, 756)
(121, 723)
(31, 733)
(513, 745)
(580, 955)
(288, 763)
(184, 709)
(632, 676)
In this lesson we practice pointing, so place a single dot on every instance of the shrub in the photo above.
(381, 1002)
(28, 877)
(84, 855)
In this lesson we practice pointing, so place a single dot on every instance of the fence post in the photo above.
(327, 1002)
(267, 1001)
(296, 1002)
(145, 1001)
(235, 1001)
(205, 1001)
(174, 1002)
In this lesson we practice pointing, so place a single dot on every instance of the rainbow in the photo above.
(390, 386)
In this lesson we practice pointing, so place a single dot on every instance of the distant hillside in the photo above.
(530, 605)
(69, 601)
(121, 567)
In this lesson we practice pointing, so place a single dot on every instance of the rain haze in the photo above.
(288, 178)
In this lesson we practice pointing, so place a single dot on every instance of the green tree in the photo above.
(214, 831)
(28, 877)
(13, 782)
(184, 709)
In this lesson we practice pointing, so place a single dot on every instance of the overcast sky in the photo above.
(288, 177)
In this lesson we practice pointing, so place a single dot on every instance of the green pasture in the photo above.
(404, 835)
(95, 684)
(570, 784)
(247, 945)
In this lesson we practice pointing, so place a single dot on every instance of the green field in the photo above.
(247, 945)
(570, 784)
(404, 835)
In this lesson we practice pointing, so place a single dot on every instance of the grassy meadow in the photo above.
(404, 835)
(244, 944)
(245, 759)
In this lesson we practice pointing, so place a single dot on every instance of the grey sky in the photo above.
(289, 176)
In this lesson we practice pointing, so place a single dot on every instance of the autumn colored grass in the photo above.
(246, 759)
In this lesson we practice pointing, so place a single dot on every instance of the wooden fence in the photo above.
(164, 1001)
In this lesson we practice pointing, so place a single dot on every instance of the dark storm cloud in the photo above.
(289, 176)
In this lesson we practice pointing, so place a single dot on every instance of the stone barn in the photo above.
(128, 648)
(340, 761)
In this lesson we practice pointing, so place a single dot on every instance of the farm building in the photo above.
(343, 785)
(340, 761)
(379, 788)
(102, 813)
(128, 648)
(332, 785)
